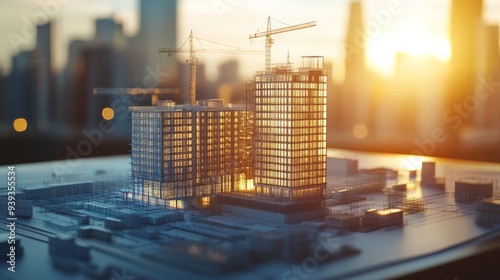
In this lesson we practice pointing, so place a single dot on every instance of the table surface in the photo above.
(442, 226)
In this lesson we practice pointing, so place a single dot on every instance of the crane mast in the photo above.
(192, 71)
(270, 41)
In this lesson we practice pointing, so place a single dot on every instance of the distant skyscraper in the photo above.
(464, 36)
(355, 96)
(109, 32)
(3, 99)
(76, 116)
(22, 88)
(228, 72)
(158, 29)
(487, 116)
(465, 24)
(101, 66)
(413, 101)
(100, 62)
(45, 77)
(228, 85)
(355, 43)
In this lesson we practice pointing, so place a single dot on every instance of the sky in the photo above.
(412, 26)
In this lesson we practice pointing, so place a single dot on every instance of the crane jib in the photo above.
(284, 29)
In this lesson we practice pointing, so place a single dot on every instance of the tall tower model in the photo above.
(290, 132)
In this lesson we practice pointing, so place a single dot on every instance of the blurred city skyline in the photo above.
(416, 27)
(404, 76)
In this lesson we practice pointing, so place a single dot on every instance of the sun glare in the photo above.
(419, 41)
(411, 38)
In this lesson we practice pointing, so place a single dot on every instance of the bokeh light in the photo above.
(360, 131)
(108, 113)
(20, 124)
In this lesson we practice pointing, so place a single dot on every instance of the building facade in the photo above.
(287, 109)
(181, 151)
(290, 132)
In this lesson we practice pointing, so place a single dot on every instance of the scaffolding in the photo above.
(397, 199)
(394, 198)
(413, 205)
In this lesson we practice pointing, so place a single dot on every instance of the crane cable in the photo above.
(217, 43)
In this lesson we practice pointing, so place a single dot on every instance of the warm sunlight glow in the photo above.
(108, 113)
(412, 162)
(419, 41)
(413, 190)
(412, 37)
(20, 125)
(205, 201)
(245, 185)
(176, 203)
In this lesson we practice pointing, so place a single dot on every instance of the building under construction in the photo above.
(289, 143)
(267, 155)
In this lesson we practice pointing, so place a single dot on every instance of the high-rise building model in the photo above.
(288, 109)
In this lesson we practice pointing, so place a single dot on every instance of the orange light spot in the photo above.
(108, 113)
(20, 124)
(360, 131)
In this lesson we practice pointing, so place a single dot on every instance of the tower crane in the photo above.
(193, 60)
(270, 41)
